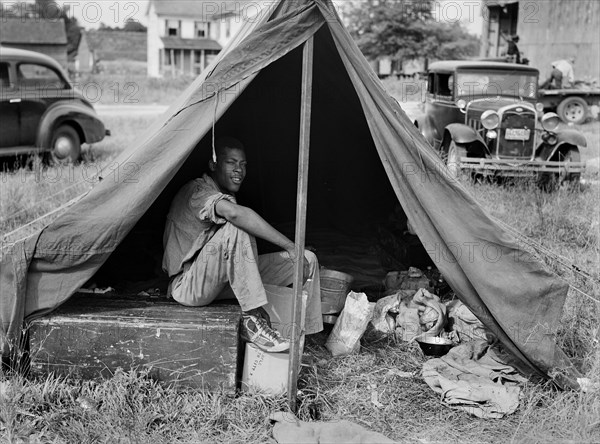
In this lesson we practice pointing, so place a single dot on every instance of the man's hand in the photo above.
(306, 266)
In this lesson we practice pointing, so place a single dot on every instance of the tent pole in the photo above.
(301, 198)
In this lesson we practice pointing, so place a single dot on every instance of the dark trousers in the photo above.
(554, 81)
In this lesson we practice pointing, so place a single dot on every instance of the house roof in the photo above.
(204, 9)
(179, 43)
(33, 31)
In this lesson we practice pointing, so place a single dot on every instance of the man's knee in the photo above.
(311, 257)
(312, 260)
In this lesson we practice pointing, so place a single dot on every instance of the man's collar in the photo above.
(209, 180)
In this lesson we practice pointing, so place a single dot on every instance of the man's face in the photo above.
(230, 170)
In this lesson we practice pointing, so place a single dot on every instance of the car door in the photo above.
(40, 87)
(9, 108)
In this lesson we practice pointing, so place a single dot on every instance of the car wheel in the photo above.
(66, 145)
(455, 152)
(572, 155)
(552, 181)
(573, 110)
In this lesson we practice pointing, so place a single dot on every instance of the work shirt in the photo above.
(566, 68)
(191, 222)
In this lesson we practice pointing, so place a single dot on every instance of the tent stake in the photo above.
(305, 114)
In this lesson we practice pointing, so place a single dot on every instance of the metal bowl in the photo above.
(434, 345)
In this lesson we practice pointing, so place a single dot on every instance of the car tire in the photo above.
(455, 152)
(573, 110)
(65, 145)
(552, 181)
(572, 155)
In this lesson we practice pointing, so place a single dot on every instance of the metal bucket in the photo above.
(335, 286)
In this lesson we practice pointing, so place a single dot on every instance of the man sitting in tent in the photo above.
(210, 250)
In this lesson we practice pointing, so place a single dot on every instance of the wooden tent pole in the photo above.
(305, 114)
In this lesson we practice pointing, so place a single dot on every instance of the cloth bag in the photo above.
(351, 325)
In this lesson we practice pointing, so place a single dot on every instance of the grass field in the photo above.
(126, 82)
(131, 408)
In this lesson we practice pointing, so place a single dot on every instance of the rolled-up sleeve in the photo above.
(204, 204)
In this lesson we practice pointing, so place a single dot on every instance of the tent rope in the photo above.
(16, 213)
(540, 249)
(214, 123)
(50, 213)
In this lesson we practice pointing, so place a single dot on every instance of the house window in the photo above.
(173, 28)
(202, 29)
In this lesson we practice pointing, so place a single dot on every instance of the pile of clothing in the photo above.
(472, 376)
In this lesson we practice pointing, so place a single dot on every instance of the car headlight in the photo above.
(461, 103)
(490, 119)
(550, 121)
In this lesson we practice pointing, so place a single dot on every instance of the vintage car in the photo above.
(40, 111)
(484, 117)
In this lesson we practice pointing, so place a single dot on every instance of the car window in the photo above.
(33, 76)
(497, 83)
(445, 86)
(4, 78)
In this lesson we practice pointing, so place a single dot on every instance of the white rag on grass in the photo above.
(471, 377)
(290, 430)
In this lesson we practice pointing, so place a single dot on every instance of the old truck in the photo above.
(486, 118)
(572, 105)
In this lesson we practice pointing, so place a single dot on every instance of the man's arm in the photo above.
(251, 222)
(248, 220)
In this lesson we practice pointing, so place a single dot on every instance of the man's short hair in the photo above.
(225, 142)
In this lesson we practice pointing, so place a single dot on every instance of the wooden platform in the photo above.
(93, 335)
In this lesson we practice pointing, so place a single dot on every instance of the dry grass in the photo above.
(131, 408)
(130, 88)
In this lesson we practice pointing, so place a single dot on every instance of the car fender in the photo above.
(572, 137)
(463, 134)
(79, 116)
(565, 140)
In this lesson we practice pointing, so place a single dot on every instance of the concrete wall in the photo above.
(559, 29)
(549, 31)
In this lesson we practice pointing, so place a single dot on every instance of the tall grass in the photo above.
(30, 189)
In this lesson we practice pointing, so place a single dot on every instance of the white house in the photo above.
(184, 36)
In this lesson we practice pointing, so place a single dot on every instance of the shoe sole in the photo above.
(277, 349)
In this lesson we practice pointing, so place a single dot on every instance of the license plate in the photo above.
(517, 134)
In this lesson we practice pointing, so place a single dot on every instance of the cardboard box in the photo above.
(279, 307)
(267, 372)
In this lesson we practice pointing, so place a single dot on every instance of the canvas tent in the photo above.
(365, 158)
